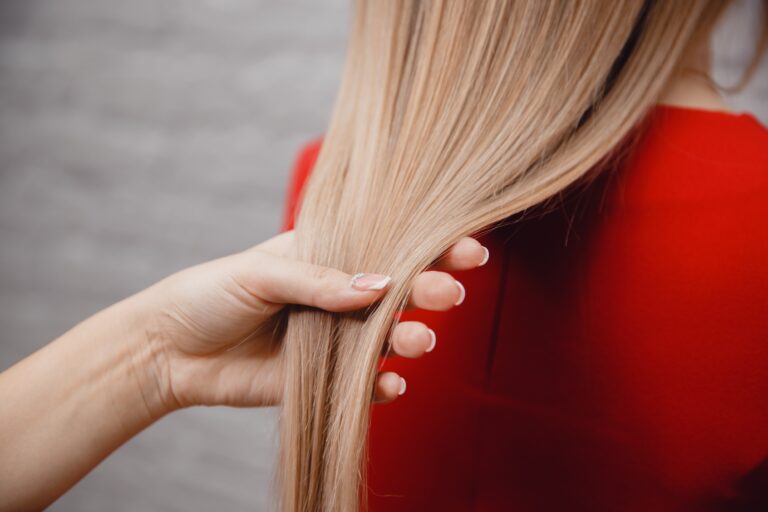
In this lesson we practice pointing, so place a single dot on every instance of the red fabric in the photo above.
(612, 354)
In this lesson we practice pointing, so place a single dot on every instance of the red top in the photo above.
(612, 354)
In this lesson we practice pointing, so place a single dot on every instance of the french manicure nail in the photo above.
(486, 257)
(368, 282)
(462, 293)
(432, 343)
(402, 387)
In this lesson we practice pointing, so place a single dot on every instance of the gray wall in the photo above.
(139, 137)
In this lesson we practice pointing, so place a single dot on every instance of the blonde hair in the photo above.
(451, 117)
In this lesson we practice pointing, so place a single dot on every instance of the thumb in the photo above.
(282, 280)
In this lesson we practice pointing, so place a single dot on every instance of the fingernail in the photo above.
(486, 257)
(433, 342)
(462, 293)
(402, 387)
(366, 282)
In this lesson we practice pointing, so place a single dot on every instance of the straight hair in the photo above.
(451, 117)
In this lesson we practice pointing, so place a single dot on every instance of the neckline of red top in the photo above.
(725, 114)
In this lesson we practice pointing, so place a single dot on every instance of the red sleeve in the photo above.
(301, 169)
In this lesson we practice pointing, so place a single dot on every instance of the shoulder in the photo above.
(686, 156)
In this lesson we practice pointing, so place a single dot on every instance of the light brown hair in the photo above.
(451, 117)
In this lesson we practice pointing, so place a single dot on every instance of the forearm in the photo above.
(69, 405)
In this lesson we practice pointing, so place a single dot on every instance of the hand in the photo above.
(199, 337)
(212, 336)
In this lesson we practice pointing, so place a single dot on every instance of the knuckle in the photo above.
(319, 274)
(324, 289)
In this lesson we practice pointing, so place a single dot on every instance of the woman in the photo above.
(612, 355)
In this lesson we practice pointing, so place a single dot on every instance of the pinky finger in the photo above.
(389, 386)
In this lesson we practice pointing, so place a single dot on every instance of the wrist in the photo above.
(76, 400)
(148, 361)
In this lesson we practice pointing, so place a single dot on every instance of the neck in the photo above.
(691, 86)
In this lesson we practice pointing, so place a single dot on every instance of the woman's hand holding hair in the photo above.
(213, 338)
(203, 336)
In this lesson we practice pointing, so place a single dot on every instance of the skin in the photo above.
(201, 337)
(692, 87)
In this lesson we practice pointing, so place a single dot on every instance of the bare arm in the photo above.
(69, 405)
(188, 340)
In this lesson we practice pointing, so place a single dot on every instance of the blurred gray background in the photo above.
(139, 137)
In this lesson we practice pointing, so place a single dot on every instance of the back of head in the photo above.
(451, 117)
